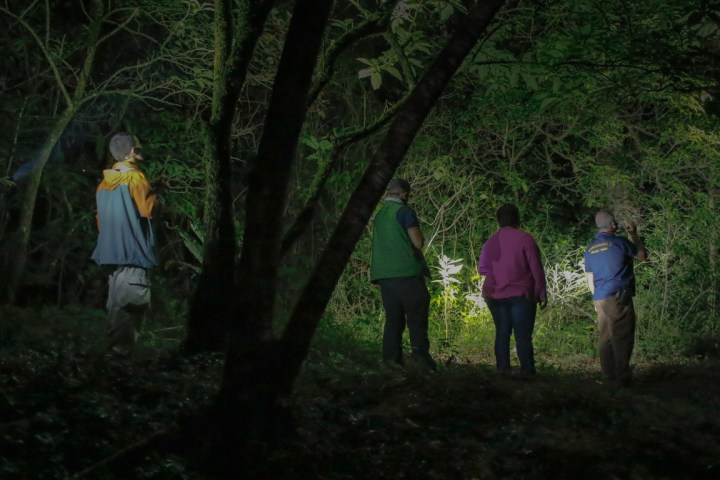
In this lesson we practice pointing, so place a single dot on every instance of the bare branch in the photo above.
(119, 28)
(46, 54)
(341, 142)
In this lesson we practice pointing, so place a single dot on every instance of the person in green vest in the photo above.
(399, 267)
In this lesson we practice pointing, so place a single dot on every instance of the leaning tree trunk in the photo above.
(17, 242)
(296, 339)
(18, 245)
(210, 310)
(714, 300)
(260, 371)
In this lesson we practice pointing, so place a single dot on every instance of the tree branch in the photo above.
(376, 24)
(118, 28)
(146, 443)
(302, 221)
(46, 54)
(404, 62)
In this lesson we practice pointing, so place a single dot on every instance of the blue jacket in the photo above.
(610, 259)
(124, 208)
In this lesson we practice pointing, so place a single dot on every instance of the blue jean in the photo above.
(514, 315)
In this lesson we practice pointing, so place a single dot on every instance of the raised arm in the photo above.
(641, 254)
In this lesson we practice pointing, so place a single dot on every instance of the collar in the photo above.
(124, 166)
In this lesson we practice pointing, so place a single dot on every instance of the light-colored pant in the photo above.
(128, 299)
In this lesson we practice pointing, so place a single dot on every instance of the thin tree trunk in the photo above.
(246, 406)
(270, 173)
(20, 239)
(210, 311)
(713, 194)
(17, 242)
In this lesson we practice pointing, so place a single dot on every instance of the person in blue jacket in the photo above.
(125, 203)
(611, 279)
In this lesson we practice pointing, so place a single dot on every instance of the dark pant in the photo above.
(616, 319)
(407, 302)
(515, 315)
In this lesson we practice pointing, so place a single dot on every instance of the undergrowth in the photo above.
(67, 411)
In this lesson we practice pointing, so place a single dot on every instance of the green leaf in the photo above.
(530, 81)
(376, 80)
(311, 142)
(707, 29)
(548, 102)
(557, 83)
(366, 72)
(514, 75)
(483, 71)
(394, 72)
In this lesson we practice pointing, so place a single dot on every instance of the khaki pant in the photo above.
(128, 299)
(617, 336)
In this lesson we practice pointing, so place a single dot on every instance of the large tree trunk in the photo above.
(260, 371)
(246, 406)
(210, 311)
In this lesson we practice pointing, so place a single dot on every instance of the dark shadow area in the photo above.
(88, 415)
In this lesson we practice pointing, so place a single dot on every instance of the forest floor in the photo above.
(66, 412)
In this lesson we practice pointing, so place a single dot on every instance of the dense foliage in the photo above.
(565, 107)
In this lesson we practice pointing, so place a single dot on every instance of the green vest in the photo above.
(393, 254)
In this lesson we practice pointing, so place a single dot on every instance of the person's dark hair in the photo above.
(604, 220)
(121, 144)
(508, 215)
(398, 186)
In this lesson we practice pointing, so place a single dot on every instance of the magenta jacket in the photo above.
(510, 263)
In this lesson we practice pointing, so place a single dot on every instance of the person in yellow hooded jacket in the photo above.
(125, 203)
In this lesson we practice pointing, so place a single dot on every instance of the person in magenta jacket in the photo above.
(514, 285)
(125, 202)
